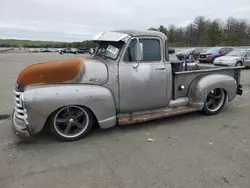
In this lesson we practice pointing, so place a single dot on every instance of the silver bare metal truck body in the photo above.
(128, 80)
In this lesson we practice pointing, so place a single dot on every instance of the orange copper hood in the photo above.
(53, 72)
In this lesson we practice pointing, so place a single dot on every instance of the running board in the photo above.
(143, 116)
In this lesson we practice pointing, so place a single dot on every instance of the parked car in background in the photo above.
(65, 50)
(183, 54)
(34, 50)
(171, 50)
(237, 57)
(3, 49)
(195, 52)
(212, 53)
(81, 50)
(58, 49)
(45, 50)
(73, 50)
(6, 49)
(52, 49)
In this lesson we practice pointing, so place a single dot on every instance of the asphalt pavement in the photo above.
(187, 151)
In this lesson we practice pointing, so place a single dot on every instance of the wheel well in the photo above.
(96, 123)
(49, 116)
(239, 62)
(225, 94)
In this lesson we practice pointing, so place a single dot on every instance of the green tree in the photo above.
(204, 32)
(214, 33)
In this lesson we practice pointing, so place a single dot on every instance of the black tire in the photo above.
(58, 128)
(239, 63)
(211, 108)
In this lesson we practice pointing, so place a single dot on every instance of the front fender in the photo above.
(201, 86)
(41, 101)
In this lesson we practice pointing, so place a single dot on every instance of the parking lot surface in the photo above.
(187, 151)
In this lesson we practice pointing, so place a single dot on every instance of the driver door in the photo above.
(144, 87)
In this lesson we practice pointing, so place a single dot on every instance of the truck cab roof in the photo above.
(137, 33)
(124, 35)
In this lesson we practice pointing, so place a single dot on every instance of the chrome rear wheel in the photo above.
(215, 101)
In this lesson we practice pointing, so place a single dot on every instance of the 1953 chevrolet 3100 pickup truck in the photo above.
(129, 79)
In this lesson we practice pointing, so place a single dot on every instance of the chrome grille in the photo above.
(18, 106)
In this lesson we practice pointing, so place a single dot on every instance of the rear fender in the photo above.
(201, 86)
(41, 101)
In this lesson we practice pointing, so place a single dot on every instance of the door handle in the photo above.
(162, 68)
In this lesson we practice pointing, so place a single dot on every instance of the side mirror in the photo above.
(138, 53)
(138, 50)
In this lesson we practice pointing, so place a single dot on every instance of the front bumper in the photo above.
(19, 127)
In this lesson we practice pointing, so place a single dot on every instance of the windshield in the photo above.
(214, 49)
(237, 53)
(109, 49)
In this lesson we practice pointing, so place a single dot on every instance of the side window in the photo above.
(166, 51)
(222, 50)
(151, 50)
(228, 50)
(248, 54)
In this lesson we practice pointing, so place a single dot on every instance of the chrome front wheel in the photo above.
(71, 123)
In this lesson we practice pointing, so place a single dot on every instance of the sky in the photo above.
(78, 20)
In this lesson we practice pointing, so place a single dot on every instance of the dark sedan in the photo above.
(184, 54)
(171, 50)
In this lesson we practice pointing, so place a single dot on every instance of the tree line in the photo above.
(43, 44)
(205, 32)
(83, 44)
(200, 32)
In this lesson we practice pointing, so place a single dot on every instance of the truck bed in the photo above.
(186, 77)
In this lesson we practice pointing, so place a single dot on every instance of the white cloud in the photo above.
(77, 20)
(244, 9)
